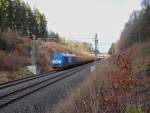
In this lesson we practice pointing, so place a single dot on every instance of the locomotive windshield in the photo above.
(57, 58)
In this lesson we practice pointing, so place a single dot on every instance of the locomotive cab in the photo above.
(61, 60)
(57, 60)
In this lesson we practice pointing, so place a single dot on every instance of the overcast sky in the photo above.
(81, 19)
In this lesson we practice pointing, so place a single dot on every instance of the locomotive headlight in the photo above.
(59, 61)
(56, 61)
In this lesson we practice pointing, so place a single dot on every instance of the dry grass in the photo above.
(20, 56)
(81, 53)
(6, 76)
(87, 99)
(112, 88)
(45, 50)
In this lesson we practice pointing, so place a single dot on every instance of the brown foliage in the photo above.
(114, 95)
(123, 73)
(18, 54)
(13, 62)
(17, 57)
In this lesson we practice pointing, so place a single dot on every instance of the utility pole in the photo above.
(96, 44)
(33, 54)
(139, 37)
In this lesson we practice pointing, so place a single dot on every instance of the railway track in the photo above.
(13, 91)
(15, 82)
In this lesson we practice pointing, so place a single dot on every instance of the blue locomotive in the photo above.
(60, 60)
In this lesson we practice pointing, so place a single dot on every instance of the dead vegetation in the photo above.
(15, 55)
(6, 76)
(113, 88)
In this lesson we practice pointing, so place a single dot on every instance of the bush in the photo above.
(111, 89)
(2, 56)
(13, 62)
(112, 49)
(6, 46)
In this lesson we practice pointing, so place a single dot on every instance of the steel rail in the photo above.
(4, 93)
(8, 84)
(15, 82)
(17, 94)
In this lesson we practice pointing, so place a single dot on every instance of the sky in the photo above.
(81, 19)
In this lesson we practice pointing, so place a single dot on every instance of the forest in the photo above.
(136, 30)
(17, 16)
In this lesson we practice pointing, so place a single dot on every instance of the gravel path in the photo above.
(43, 100)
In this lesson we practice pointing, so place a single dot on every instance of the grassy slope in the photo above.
(13, 62)
(120, 85)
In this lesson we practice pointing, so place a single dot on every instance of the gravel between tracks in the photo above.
(43, 100)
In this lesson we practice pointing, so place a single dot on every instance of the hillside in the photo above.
(15, 55)
(18, 22)
(120, 84)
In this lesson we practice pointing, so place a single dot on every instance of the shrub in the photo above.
(111, 89)
(2, 56)
(6, 46)
(14, 62)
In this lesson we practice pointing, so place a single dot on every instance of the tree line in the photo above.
(137, 29)
(16, 15)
